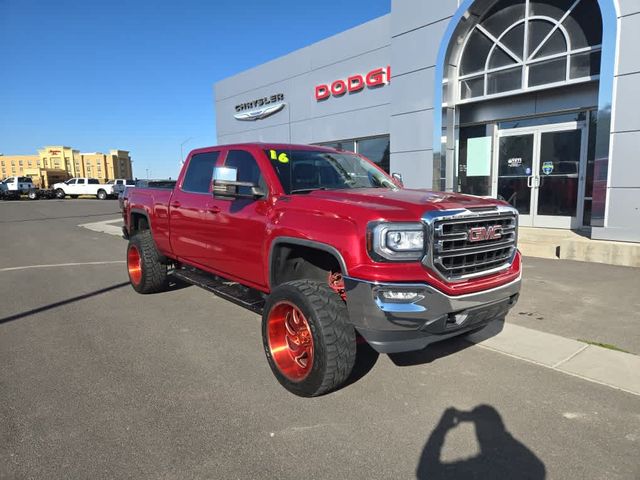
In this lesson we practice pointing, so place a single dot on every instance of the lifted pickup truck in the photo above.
(329, 249)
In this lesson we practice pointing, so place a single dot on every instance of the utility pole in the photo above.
(181, 153)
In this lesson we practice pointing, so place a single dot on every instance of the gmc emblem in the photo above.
(375, 78)
(478, 234)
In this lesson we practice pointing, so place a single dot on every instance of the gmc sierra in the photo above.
(328, 248)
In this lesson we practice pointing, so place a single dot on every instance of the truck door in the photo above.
(190, 224)
(80, 186)
(240, 224)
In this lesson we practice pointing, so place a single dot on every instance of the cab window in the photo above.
(81, 181)
(197, 178)
(94, 181)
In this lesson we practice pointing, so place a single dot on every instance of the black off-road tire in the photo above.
(60, 194)
(334, 339)
(153, 272)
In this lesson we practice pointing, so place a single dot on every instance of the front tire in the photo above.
(309, 344)
(60, 194)
(147, 273)
(33, 195)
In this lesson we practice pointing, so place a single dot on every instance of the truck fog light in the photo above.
(400, 296)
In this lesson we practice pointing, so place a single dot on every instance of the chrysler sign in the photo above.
(260, 108)
(355, 83)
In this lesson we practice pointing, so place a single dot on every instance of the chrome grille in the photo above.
(469, 243)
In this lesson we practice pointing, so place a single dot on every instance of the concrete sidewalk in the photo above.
(600, 365)
(582, 301)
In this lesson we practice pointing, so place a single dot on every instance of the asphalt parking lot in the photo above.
(97, 381)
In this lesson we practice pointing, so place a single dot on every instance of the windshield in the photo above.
(307, 170)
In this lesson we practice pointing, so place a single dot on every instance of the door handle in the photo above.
(213, 209)
(530, 181)
(537, 181)
(175, 204)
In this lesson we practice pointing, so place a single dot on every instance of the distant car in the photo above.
(13, 187)
(119, 185)
(83, 186)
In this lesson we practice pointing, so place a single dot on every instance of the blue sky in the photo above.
(138, 74)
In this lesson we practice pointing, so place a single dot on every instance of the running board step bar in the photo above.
(234, 292)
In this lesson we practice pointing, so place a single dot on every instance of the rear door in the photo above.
(190, 220)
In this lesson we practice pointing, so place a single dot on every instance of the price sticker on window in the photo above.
(280, 157)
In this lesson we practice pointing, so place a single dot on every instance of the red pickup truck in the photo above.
(329, 249)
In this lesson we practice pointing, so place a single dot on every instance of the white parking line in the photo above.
(27, 267)
(104, 227)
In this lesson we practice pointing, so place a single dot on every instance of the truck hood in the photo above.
(404, 202)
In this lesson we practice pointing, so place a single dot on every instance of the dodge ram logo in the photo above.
(478, 234)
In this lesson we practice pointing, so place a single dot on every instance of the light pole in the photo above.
(181, 154)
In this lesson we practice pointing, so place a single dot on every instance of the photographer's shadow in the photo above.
(501, 455)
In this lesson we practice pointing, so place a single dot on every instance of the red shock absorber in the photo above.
(336, 282)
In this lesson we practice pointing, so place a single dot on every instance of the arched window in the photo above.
(520, 45)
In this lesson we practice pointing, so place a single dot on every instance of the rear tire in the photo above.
(33, 195)
(60, 194)
(147, 273)
(102, 195)
(309, 344)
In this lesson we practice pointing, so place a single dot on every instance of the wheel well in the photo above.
(296, 262)
(139, 222)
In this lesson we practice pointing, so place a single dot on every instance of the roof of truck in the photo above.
(267, 145)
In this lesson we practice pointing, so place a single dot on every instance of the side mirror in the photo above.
(397, 178)
(225, 185)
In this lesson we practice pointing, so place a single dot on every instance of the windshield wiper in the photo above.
(306, 190)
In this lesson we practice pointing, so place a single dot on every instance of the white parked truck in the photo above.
(13, 187)
(75, 187)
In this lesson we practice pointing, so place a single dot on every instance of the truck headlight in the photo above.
(396, 241)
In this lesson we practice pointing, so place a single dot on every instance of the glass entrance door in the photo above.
(540, 172)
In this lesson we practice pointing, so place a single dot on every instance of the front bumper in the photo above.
(401, 326)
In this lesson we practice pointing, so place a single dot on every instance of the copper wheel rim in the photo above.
(134, 264)
(290, 341)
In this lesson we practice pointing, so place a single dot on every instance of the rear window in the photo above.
(94, 181)
(131, 182)
(199, 174)
(24, 180)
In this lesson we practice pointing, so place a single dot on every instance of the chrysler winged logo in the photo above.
(260, 107)
(478, 234)
(259, 112)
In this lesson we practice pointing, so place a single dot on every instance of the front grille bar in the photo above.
(454, 251)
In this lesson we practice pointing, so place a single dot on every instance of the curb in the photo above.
(614, 369)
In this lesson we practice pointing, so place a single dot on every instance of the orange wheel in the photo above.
(290, 341)
(134, 265)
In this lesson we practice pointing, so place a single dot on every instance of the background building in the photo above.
(534, 101)
(58, 163)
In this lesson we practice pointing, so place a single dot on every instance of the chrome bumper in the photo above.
(404, 325)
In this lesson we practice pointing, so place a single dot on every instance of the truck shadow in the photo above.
(366, 358)
(501, 455)
(442, 349)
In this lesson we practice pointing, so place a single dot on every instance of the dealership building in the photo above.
(533, 101)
